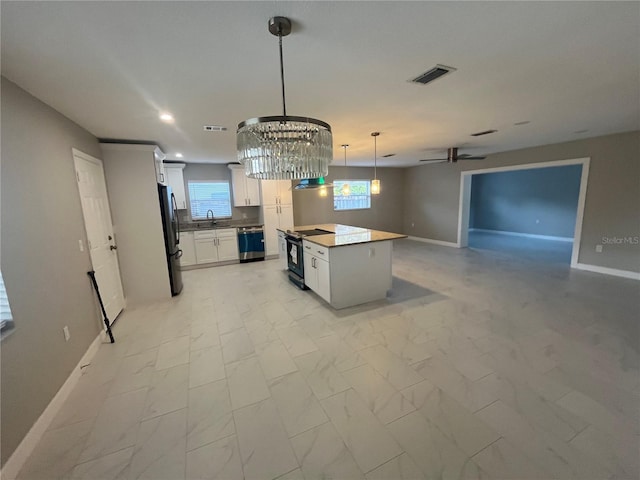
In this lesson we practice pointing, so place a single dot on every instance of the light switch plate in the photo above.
(67, 334)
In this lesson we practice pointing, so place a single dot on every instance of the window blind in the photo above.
(210, 195)
(6, 319)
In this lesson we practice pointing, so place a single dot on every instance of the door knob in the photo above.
(113, 247)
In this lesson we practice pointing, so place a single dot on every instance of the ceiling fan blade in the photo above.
(435, 160)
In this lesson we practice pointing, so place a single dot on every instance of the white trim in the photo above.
(577, 234)
(464, 209)
(465, 196)
(15, 463)
(529, 166)
(435, 242)
(607, 271)
(519, 234)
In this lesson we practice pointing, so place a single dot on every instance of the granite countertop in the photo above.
(344, 234)
(206, 225)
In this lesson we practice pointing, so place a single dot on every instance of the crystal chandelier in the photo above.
(375, 183)
(284, 147)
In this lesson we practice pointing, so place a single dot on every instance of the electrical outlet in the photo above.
(67, 334)
(413, 224)
(81, 245)
(599, 248)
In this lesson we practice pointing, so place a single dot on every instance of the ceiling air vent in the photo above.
(430, 75)
(486, 132)
(214, 128)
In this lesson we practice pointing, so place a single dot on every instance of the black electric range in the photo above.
(295, 254)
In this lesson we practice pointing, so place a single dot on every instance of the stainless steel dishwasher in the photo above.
(251, 243)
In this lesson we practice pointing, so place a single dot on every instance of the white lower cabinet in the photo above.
(227, 244)
(188, 248)
(348, 275)
(317, 275)
(219, 245)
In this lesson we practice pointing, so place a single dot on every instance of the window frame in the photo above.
(337, 184)
(213, 181)
(7, 325)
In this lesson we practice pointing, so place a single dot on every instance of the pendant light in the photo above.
(284, 147)
(375, 183)
(346, 188)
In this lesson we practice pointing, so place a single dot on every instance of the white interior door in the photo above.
(97, 221)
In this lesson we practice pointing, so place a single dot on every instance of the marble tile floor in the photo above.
(478, 365)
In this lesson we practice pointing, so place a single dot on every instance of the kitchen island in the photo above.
(345, 266)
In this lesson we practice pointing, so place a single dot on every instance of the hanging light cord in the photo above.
(284, 103)
(375, 156)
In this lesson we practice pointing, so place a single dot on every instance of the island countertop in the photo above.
(343, 235)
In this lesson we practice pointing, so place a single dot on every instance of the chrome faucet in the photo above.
(213, 221)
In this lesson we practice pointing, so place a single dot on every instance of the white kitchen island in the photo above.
(349, 266)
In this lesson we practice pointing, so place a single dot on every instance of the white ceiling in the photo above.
(112, 66)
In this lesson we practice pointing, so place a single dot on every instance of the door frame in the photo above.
(465, 197)
(89, 158)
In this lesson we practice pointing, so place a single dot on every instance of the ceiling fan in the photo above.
(452, 157)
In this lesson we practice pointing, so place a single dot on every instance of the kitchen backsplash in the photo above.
(250, 216)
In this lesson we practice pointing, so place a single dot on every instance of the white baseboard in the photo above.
(518, 234)
(15, 463)
(435, 242)
(607, 271)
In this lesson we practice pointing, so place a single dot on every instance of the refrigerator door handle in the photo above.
(174, 206)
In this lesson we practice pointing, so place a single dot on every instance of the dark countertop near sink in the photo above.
(206, 225)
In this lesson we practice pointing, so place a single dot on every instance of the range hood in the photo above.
(312, 184)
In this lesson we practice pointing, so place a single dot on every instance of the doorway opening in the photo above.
(531, 210)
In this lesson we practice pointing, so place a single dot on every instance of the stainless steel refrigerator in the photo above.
(171, 228)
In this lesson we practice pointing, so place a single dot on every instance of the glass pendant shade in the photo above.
(284, 147)
(375, 186)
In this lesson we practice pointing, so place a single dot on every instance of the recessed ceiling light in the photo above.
(179, 155)
(166, 117)
(522, 123)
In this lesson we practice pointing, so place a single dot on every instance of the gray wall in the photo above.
(201, 171)
(44, 271)
(541, 201)
(611, 208)
(385, 212)
(137, 222)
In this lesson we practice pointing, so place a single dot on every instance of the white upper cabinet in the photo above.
(175, 179)
(158, 157)
(246, 191)
(276, 192)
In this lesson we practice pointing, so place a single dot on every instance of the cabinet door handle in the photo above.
(321, 253)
